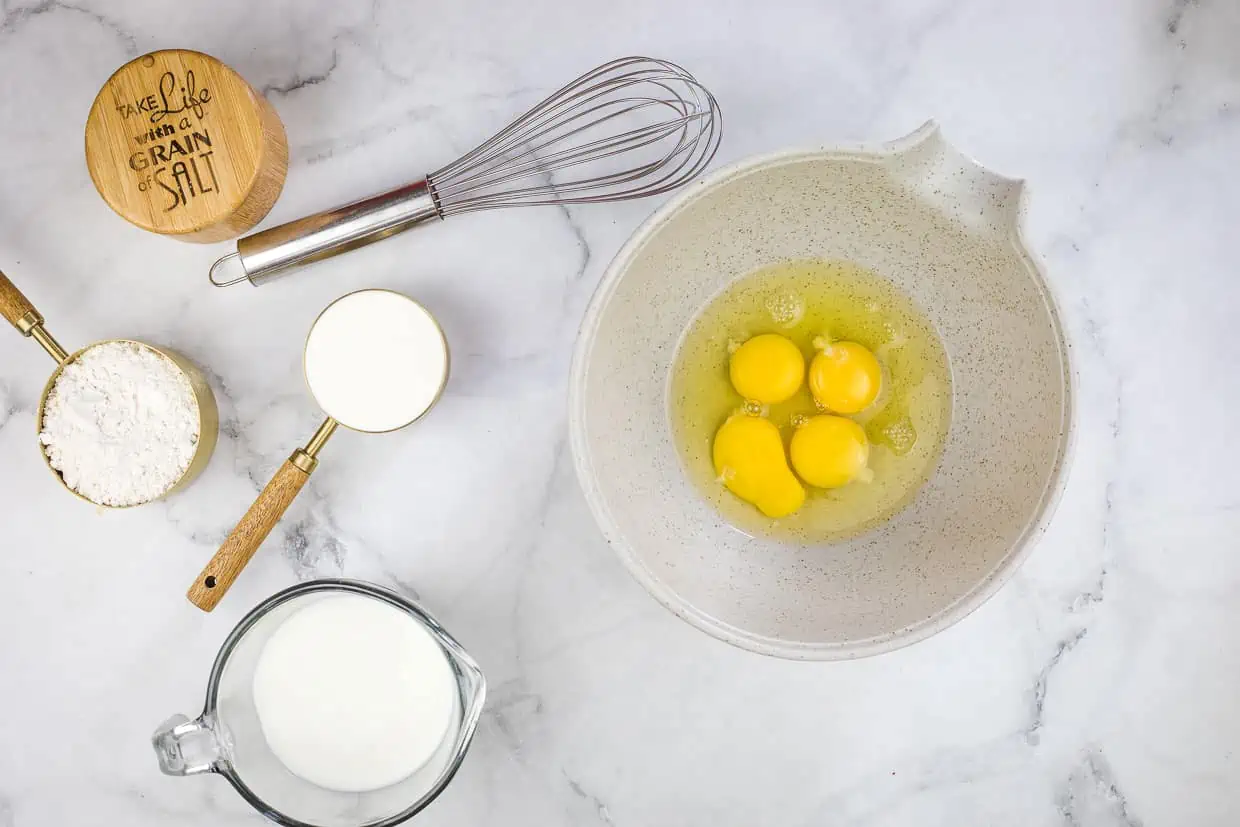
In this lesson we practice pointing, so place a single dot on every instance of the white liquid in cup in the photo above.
(353, 694)
(376, 360)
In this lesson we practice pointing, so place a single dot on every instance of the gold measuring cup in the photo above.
(375, 361)
(15, 307)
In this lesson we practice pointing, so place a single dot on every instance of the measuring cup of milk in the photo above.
(334, 703)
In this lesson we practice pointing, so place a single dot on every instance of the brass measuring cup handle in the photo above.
(231, 558)
(20, 313)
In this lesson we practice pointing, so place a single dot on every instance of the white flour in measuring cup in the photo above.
(120, 424)
(353, 694)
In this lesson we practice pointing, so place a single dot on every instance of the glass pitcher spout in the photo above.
(186, 747)
(227, 740)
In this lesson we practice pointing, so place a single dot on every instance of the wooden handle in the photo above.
(249, 534)
(15, 307)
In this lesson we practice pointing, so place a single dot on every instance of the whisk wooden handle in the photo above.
(219, 575)
(15, 307)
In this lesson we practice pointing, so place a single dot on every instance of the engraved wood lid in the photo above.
(179, 144)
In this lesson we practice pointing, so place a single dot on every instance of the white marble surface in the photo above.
(1098, 689)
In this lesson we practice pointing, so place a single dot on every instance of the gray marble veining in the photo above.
(1096, 689)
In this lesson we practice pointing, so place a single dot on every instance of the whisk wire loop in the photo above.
(630, 128)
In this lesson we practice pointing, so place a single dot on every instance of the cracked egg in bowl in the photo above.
(821, 402)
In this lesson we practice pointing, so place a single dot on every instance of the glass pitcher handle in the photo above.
(186, 747)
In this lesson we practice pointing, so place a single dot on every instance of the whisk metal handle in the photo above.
(323, 235)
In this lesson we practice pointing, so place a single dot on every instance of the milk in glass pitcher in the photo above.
(334, 703)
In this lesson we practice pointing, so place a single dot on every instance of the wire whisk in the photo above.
(585, 122)
(630, 128)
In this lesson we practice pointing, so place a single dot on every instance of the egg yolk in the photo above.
(749, 459)
(829, 451)
(768, 369)
(845, 377)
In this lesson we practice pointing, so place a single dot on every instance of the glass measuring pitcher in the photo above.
(227, 738)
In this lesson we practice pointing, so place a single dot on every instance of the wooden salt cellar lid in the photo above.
(179, 144)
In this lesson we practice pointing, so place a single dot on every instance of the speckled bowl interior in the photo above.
(946, 232)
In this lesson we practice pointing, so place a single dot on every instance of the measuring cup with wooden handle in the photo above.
(375, 361)
(21, 313)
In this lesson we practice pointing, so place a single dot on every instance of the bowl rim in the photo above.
(954, 612)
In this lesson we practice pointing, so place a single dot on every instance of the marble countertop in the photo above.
(1097, 689)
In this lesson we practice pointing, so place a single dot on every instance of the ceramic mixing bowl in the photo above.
(943, 229)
